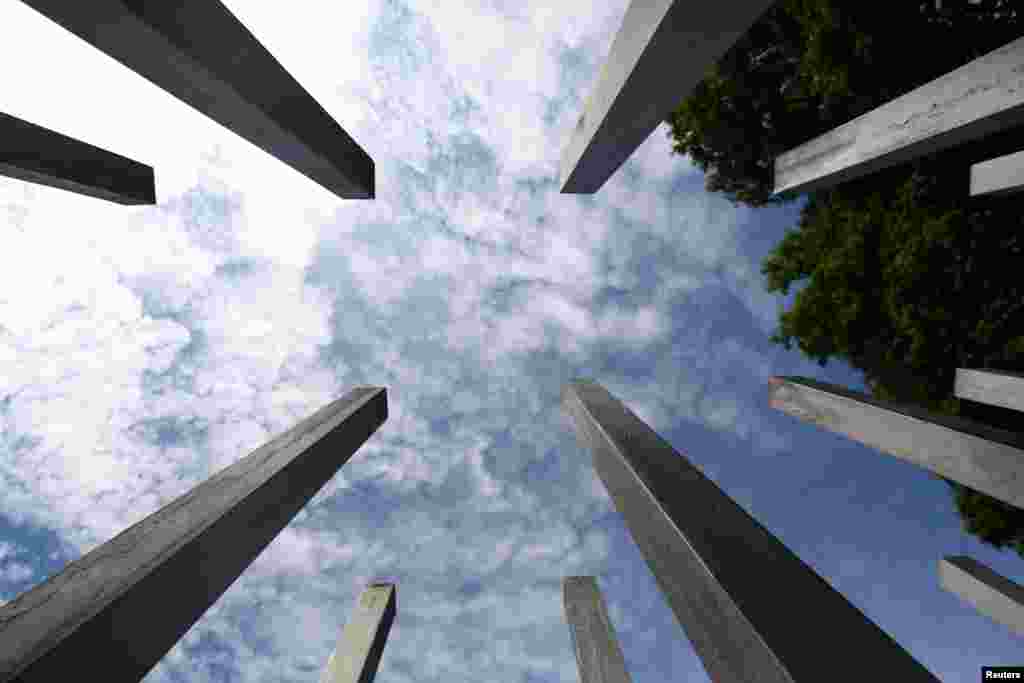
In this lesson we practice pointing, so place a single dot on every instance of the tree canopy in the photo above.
(908, 281)
(905, 276)
(807, 66)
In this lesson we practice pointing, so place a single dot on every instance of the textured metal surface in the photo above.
(199, 52)
(598, 656)
(752, 609)
(632, 96)
(123, 605)
(999, 176)
(995, 596)
(38, 155)
(362, 641)
(976, 455)
(978, 99)
(992, 387)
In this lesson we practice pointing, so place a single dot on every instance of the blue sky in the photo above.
(144, 348)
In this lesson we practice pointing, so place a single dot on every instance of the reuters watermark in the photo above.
(1002, 673)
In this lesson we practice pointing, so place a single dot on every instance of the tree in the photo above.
(806, 66)
(906, 277)
(894, 285)
(866, 253)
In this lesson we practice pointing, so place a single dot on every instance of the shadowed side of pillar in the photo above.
(598, 656)
(38, 155)
(980, 99)
(361, 645)
(999, 388)
(752, 609)
(1000, 176)
(123, 605)
(198, 51)
(993, 595)
(974, 454)
(631, 98)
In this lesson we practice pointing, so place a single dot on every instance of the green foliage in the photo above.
(907, 285)
(729, 127)
(991, 521)
(876, 280)
(906, 277)
(807, 66)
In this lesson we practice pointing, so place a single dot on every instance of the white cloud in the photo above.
(11, 570)
(143, 349)
(15, 572)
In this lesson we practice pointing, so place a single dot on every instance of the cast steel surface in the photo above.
(752, 609)
(119, 608)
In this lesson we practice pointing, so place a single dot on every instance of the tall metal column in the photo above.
(752, 609)
(991, 387)
(1000, 176)
(123, 605)
(660, 54)
(979, 456)
(993, 595)
(199, 52)
(362, 642)
(38, 155)
(979, 99)
(593, 638)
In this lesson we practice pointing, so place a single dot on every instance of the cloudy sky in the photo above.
(144, 348)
